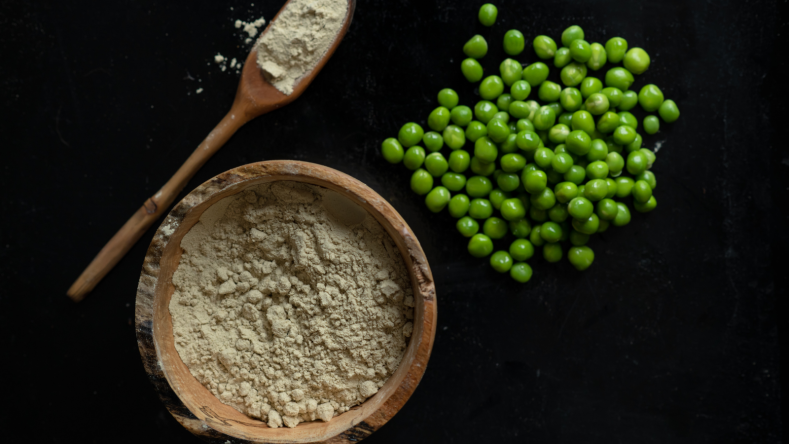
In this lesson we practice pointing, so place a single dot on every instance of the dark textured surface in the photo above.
(673, 336)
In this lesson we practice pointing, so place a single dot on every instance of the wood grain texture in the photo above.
(191, 403)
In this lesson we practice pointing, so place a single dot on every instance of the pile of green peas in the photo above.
(535, 164)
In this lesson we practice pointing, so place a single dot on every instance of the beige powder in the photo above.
(291, 303)
(298, 38)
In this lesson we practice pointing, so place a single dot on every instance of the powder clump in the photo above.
(287, 312)
(298, 38)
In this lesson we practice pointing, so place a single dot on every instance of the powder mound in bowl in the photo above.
(291, 303)
(298, 38)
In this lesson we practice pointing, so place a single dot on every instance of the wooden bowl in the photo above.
(188, 400)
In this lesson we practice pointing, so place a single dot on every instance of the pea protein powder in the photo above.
(298, 38)
(291, 303)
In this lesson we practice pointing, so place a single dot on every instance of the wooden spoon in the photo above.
(254, 97)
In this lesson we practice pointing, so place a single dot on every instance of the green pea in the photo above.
(650, 98)
(508, 181)
(615, 163)
(543, 157)
(590, 85)
(545, 118)
(487, 14)
(461, 115)
(392, 150)
(641, 191)
(636, 60)
(520, 90)
(495, 228)
(534, 181)
(577, 238)
(481, 168)
(647, 206)
(566, 118)
(421, 182)
(597, 104)
(501, 261)
(511, 71)
(454, 137)
(614, 95)
(619, 78)
(624, 134)
(458, 205)
(622, 215)
(571, 99)
(636, 162)
(565, 192)
(509, 146)
(562, 57)
(512, 163)
(514, 42)
(491, 87)
(498, 130)
(651, 124)
(521, 250)
(552, 252)
(648, 177)
(503, 104)
(668, 111)
(573, 73)
(558, 213)
(528, 141)
(580, 257)
(521, 272)
(544, 47)
(556, 107)
(608, 122)
(558, 133)
(501, 115)
(438, 119)
(437, 199)
(476, 47)
(597, 151)
(436, 164)
(629, 100)
(580, 50)
(537, 215)
(536, 73)
(478, 186)
(433, 141)
(486, 150)
(414, 157)
(596, 189)
(578, 142)
(535, 238)
(561, 163)
(480, 209)
(476, 130)
(453, 181)
(551, 232)
(543, 200)
(467, 226)
(635, 145)
(484, 110)
(410, 134)
(580, 207)
(520, 228)
(624, 186)
(607, 209)
(480, 245)
(471, 70)
(628, 119)
(525, 125)
(571, 34)
(576, 174)
(513, 209)
(497, 197)
(583, 121)
(448, 98)
(549, 91)
(598, 57)
(597, 170)
(616, 48)
(612, 188)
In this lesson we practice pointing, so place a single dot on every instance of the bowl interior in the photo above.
(209, 411)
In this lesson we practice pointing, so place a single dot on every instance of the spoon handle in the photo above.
(155, 206)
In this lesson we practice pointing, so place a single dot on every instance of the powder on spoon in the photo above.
(291, 303)
(298, 38)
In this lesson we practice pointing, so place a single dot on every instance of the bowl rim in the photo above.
(219, 422)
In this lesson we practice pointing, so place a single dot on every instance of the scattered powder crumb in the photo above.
(199, 90)
(291, 303)
(251, 28)
(219, 58)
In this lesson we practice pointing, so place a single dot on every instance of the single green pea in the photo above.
(497, 197)
(616, 48)
(509, 146)
(486, 150)
(551, 232)
(580, 207)
(597, 170)
(454, 137)
(580, 50)
(480, 245)
(650, 98)
(558, 213)
(436, 164)
(628, 119)
(537, 215)
(534, 181)
(647, 206)
(598, 57)
(587, 225)
(520, 90)
(484, 110)
(495, 228)
(414, 157)
(571, 34)
(458, 205)
(410, 134)
(545, 118)
(597, 104)
(619, 78)
(501, 115)
(577, 238)
(668, 111)
(535, 238)
(635, 145)
(578, 142)
(622, 215)
(536, 73)
(513, 209)
(476, 47)
(629, 100)
(562, 57)
(596, 189)
(608, 122)
(558, 133)
(561, 163)
(581, 257)
(543, 157)
(508, 181)
(590, 85)
(478, 186)
(549, 91)
(491, 87)
(476, 130)
(624, 186)
(467, 226)
(616, 163)
(498, 130)
(453, 181)
(511, 71)
(571, 99)
(552, 252)
(471, 70)
(566, 118)
(433, 141)
(521, 250)
(438, 119)
(583, 121)
(512, 163)
(461, 115)
(528, 141)
(624, 134)
(576, 174)
(597, 151)
(503, 103)
(520, 228)
(392, 150)
(544, 47)
(487, 14)
(612, 188)
(641, 191)
(514, 42)
(573, 73)
(437, 199)
(651, 124)
(636, 60)
(501, 261)
(565, 192)
(448, 98)
(421, 182)
(648, 177)
(614, 96)
(480, 208)
(521, 272)
(607, 209)
(636, 162)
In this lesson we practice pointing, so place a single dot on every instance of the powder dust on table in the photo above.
(291, 303)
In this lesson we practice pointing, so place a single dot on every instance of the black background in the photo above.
(672, 336)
